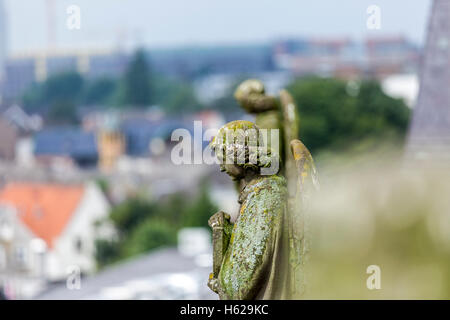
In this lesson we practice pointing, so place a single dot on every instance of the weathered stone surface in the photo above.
(252, 266)
(264, 257)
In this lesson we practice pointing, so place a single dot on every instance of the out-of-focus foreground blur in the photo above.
(387, 215)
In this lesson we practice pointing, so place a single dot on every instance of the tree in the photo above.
(99, 91)
(336, 114)
(143, 225)
(127, 215)
(151, 234)
(64, 87)
(181, 99)
(174, 95)
(202, 208)
(62, 112)
(137, 90)
(106, 251)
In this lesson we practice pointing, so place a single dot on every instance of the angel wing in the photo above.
(301, 176)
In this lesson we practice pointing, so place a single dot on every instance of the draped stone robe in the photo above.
(256, 262)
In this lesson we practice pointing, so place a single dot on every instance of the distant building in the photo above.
(47, 228)
(101, 144)
(22, 70)
(390, 55)
(8, 137)
(111, 146)
(3, 50)
(345, 58)
(140, 133)
(319, 56)
(341, 57)
(196, 62)
(188, 63)
(106, 65)
(16, 127)
(20, 74)
(72, 144)
(26, 124)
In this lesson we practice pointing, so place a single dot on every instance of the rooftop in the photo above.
(44, 208)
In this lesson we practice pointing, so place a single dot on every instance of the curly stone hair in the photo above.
(241, 143)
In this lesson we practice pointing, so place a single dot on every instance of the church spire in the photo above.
(429, 135)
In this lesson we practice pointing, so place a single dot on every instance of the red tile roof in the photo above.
(44, 208)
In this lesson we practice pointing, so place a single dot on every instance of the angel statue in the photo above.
(297, 166)
(260, 256)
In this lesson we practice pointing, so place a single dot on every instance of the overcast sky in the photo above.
(162, 23)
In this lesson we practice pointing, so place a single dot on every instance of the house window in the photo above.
(2, 258)
(20, 255)
(78, 245)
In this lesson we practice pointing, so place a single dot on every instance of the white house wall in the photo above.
(93, 207)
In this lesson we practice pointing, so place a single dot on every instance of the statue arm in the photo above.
(222, 227)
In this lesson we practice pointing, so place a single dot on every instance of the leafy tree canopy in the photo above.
(334, 113)
(138, 87)
(65, 87)
(143, 225)
(137, 90)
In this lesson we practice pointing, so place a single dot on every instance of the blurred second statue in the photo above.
(262, 254)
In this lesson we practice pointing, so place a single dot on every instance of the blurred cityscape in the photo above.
(89, 195)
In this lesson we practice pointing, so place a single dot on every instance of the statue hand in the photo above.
(251, 96)
(220, 225)
(217, 221)
(213, 283)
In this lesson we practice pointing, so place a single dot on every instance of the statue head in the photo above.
(239, 147)
(251, 96)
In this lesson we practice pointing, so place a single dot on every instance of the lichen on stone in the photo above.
(253, 235)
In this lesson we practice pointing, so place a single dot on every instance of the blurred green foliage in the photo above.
(66, 87)
(385, 214)
(137, 89)
(339, 115)
(143, 225)
(175, 95)
(59, 96)
(335, 114)
(62, 112)
(99, 91)
(198, 214)
(152, 233)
